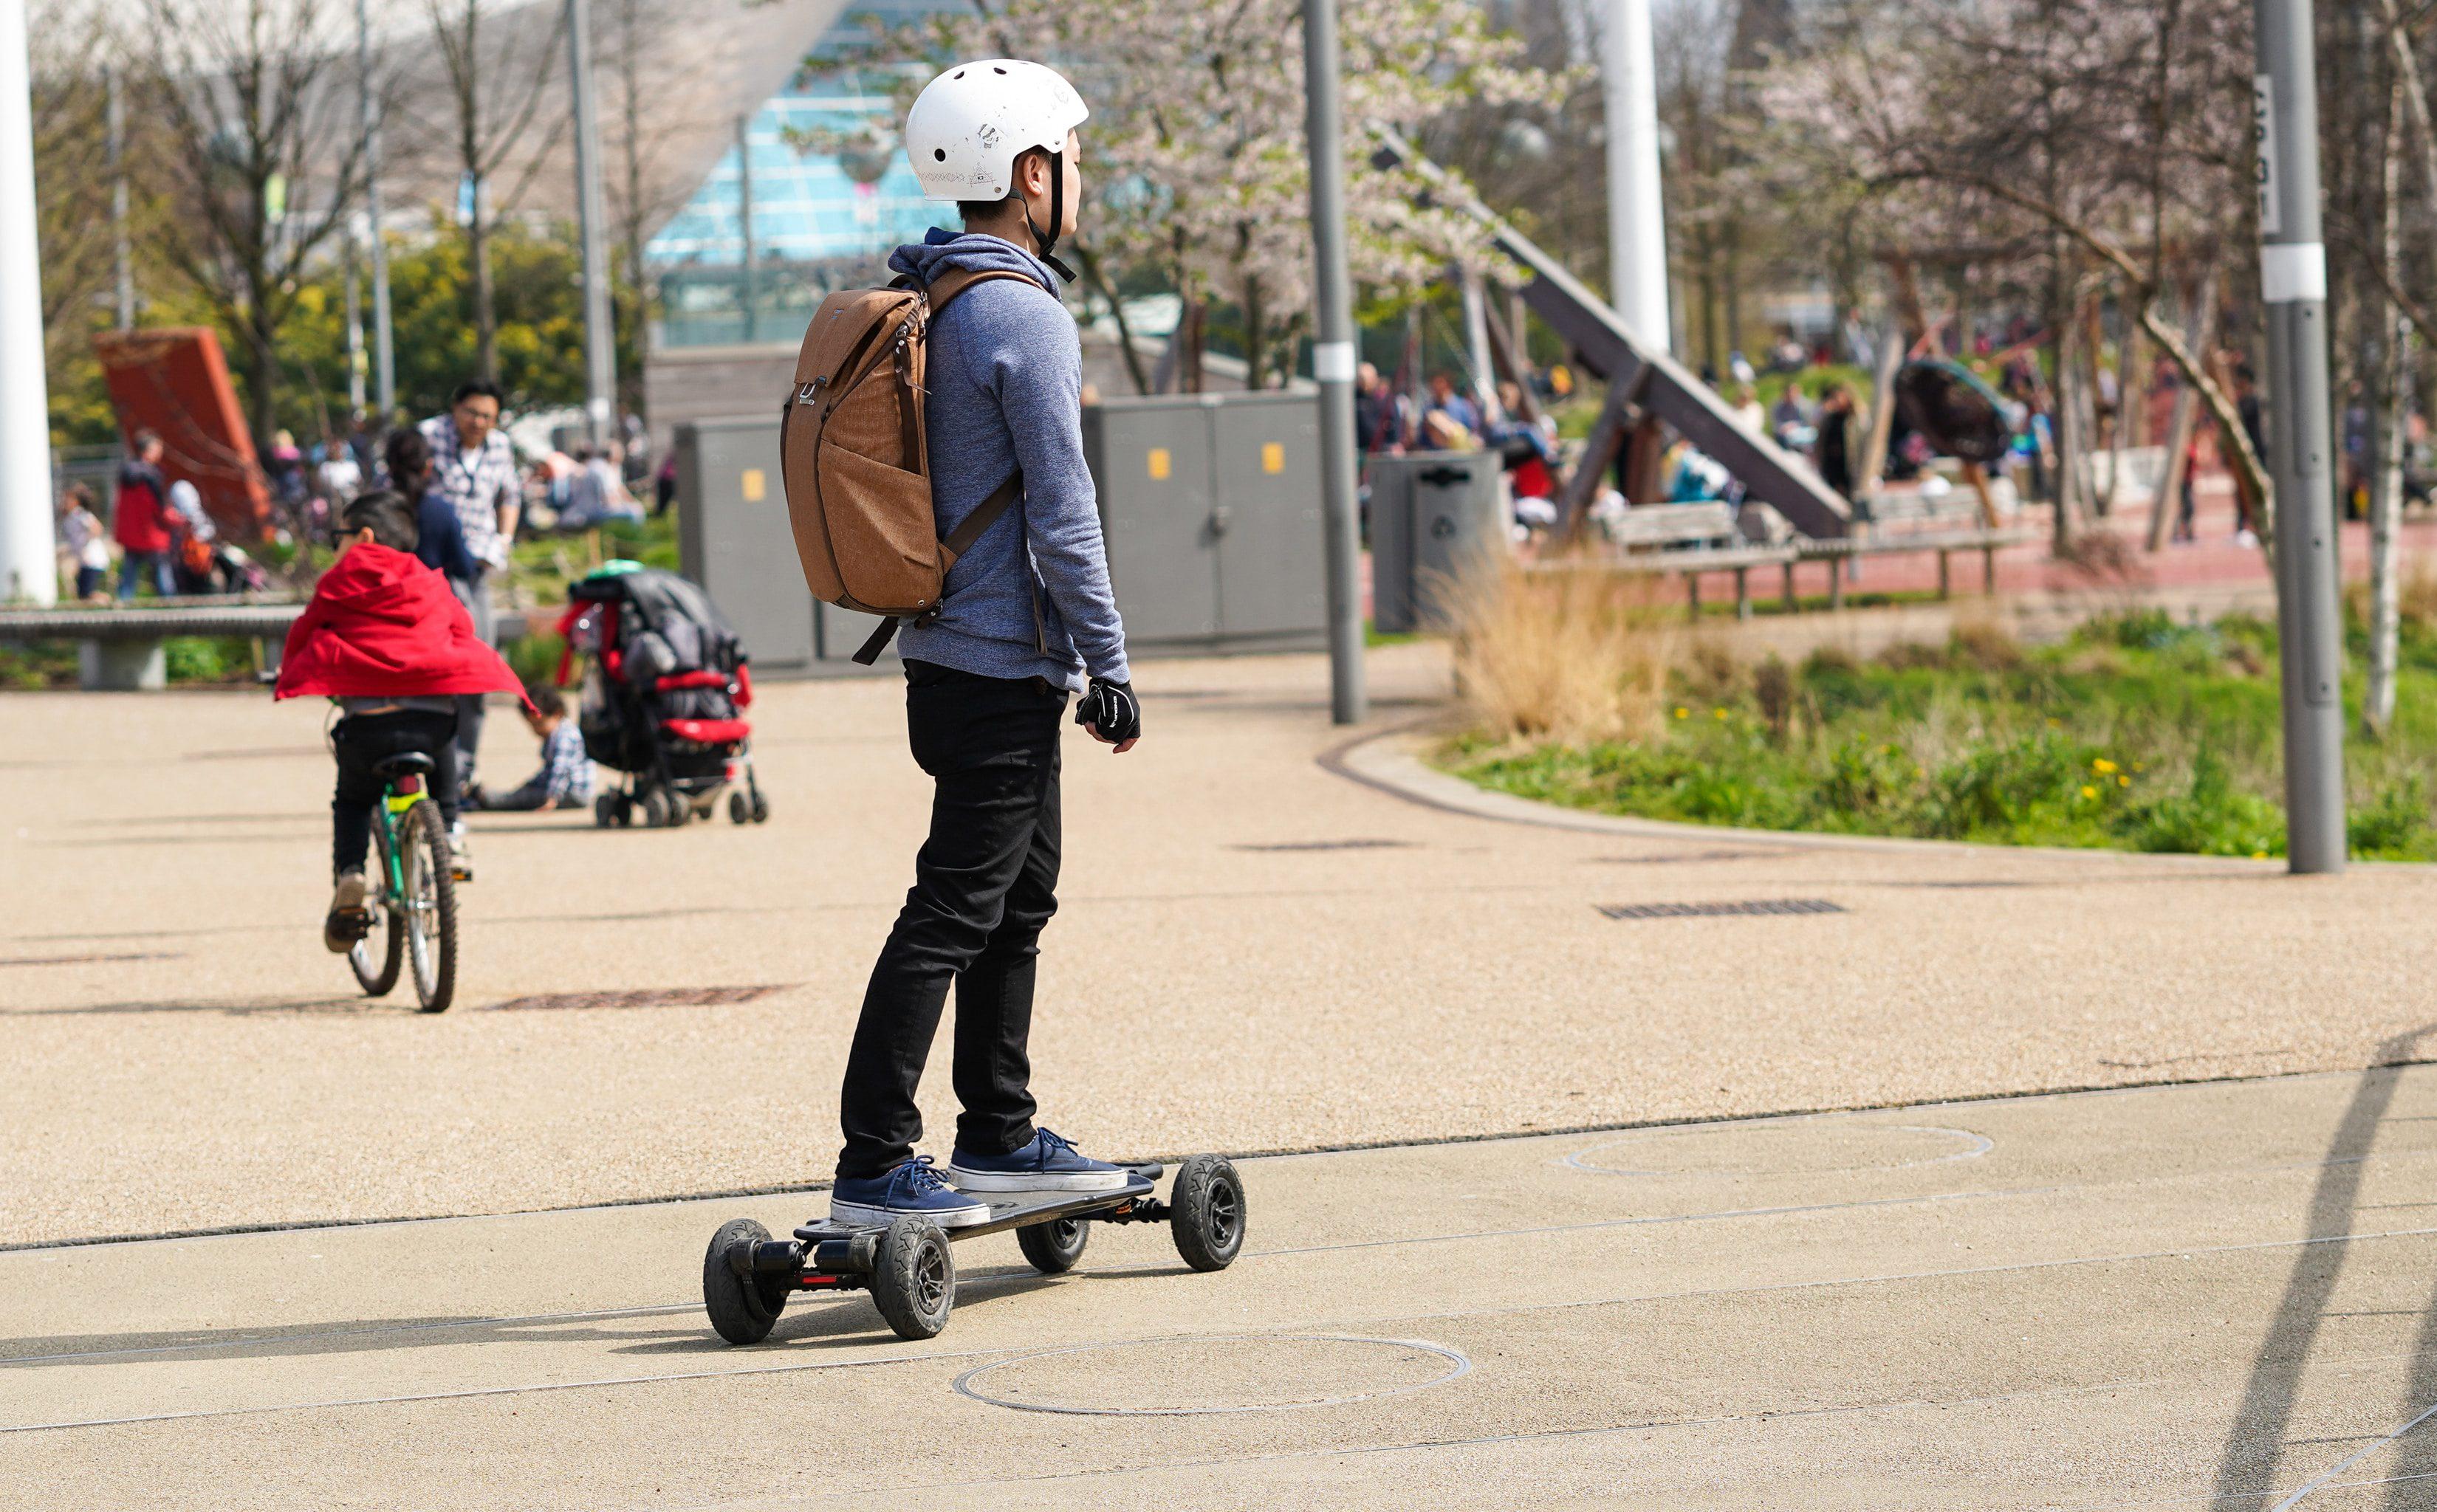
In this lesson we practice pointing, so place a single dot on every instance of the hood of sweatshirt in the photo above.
(941, 250)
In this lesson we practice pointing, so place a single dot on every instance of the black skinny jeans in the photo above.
(363, 741)
(985, 883)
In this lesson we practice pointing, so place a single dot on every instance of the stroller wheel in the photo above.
(605, 810)
(658, 811)
(739, 811)
(760, 809)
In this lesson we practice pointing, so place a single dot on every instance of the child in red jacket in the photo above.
(387, 641)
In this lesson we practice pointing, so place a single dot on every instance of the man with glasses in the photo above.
(475, 467)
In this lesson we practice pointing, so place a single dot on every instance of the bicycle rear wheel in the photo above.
(377, 965)
(429, 907)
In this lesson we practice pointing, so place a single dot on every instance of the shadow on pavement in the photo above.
(348, 1337)
(2255, 1449)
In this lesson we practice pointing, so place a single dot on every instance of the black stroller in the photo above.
(665, 687)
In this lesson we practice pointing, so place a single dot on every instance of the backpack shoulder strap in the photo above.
(943, 290)
(969, 530)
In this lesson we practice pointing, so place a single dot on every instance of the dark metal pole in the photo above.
(746, 290)
(2293, 284)
(1332, 362)
(600, 349)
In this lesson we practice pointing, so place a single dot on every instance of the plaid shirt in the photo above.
(475, 483)
(565, 768)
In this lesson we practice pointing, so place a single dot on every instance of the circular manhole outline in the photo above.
(1460, 1363)
(1975, 1144)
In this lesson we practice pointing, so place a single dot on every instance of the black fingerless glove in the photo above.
(1110, 709)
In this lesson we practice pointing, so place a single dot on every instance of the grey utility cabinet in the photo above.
(1211, 507)
(1435, 514)
(733, 538)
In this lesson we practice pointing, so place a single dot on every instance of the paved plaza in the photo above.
(1888, 1174)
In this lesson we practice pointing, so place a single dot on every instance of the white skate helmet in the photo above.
(969, 125)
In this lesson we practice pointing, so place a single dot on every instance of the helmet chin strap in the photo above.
(1045, 242)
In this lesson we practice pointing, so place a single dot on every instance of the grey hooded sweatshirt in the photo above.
(1006, 374)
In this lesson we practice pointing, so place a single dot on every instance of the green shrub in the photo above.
(2392, 821)
(2136, 733)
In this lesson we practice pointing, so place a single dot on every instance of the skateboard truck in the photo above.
(747, 1276)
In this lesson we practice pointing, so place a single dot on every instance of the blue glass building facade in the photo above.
(829, 190)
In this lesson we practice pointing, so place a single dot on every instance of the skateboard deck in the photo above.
(1014, 1209)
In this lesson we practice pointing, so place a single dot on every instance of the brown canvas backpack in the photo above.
(854, 459)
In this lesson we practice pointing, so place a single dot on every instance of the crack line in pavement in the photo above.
(2320, 1480)
(1647, 1219)
(1461, 1362)
(491, 1391)
(793, 1188)
(1524, 1436)
(1976, 1145)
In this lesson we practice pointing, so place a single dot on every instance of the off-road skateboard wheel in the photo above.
(1205, 1212)
(1055, 1246)
(743, 1311)
(914, 1277)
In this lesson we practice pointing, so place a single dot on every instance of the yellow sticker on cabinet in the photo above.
(1159, 463)
(754, 488)
(1274, 457)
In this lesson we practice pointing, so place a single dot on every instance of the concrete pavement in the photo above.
(2196, 1296)
(1969, 1289)
(1253, 953)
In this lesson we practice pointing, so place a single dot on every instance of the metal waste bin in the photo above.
(1435, 516)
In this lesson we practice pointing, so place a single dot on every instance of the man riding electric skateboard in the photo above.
(1026, 618)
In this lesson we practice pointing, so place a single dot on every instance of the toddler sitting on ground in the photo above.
(564, 779)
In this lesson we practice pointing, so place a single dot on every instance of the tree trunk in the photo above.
(1098, 276)
(1193, 331)
(630, 373)
(2386, 495)
(1256, 323)
(2065, 444)
(478, 265)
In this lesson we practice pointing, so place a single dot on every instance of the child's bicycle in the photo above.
(414, 892)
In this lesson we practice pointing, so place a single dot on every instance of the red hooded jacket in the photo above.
(383, 625)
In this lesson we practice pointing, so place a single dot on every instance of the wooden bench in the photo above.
(1689, 539)
(1945, 523)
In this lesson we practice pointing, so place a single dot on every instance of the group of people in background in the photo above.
(1509, 421)
(153, 525)
(164, 536)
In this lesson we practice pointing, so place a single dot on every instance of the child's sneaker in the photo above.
(461, 858)
(1047, 1164)
(912, 1188)
(348, 921)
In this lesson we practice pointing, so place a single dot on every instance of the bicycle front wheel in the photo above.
(430, 908)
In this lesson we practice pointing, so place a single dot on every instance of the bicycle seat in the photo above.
(404, 764)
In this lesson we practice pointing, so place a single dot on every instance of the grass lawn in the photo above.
(2136, 734)
(540, 567)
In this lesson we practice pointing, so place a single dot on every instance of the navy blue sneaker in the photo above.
(912, 1188)
(1047, 1164)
